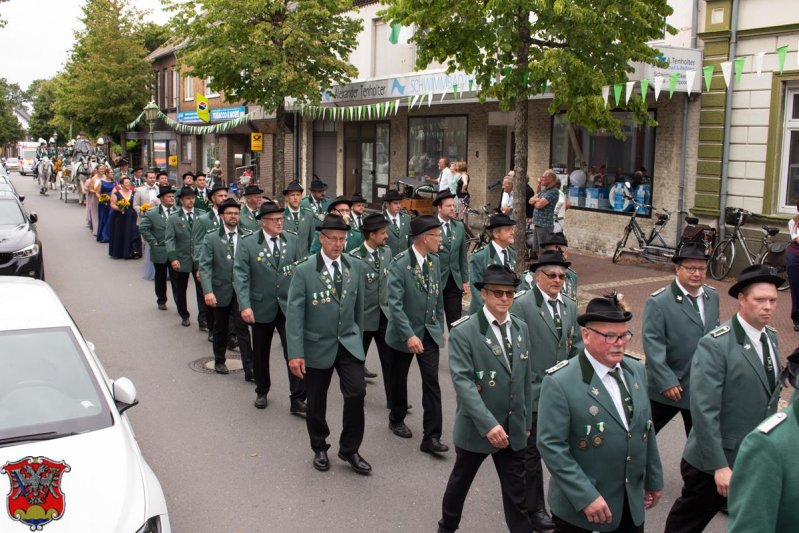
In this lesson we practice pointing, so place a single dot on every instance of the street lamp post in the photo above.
(151, 114)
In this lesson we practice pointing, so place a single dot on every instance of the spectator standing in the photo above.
(544, 201)
(792, 260)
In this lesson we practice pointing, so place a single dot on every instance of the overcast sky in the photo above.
(39, 33)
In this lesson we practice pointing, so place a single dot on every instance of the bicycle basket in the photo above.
(731, 216)
(697, 233)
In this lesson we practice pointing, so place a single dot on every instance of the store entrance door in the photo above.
(366, 151)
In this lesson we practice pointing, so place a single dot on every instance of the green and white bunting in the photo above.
(196, 130)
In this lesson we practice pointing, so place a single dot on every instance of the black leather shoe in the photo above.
(356, 462)
(203, 326)
(368, 374)
(162, 307)
(248, 375)
(433, 446)
(210, 337)
(400, 430)
(320, 461)
(221, 368)
(541, 521)
(298, 407)
(185, 322)
(260, 401)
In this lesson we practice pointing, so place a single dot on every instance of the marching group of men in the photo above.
(534, 379)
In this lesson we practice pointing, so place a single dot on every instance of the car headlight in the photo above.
(153, 525)
(28, 251)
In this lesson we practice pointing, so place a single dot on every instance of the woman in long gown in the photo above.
(91, 186)
(107, 185)
(125, 240)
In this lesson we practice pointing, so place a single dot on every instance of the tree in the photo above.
(515, 48)
(154, 35)
(265, 51)
(42, 124)
(107, 77)
(10, 98)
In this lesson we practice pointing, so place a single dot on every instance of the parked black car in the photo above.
(20, 247)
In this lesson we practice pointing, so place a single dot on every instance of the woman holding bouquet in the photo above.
(105, 189)
(125, 240)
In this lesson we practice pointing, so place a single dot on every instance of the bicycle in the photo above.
(723, 256)
(651, 247)
(475, 241)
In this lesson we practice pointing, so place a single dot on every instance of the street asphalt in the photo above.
(228, 467)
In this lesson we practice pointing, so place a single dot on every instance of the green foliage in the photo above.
(2, 20)
(42, 123)
(154, 35)
(515, 47)
(106, 78)
(131, 144)
(10, 128)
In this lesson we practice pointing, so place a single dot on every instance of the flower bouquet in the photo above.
(104, 198)
(145, 207)
(123, 205)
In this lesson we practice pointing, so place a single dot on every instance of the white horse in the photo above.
(44, 170)
(81, 170)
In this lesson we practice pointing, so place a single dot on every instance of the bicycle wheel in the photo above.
(621, 244)
(779, 269)
(722, 259)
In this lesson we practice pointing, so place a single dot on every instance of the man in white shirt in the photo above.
(506, 201)
(445, 177)
(146, 194)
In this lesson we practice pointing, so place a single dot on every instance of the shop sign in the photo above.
(399, 87)
(217, 115)
(256, 142)
(173, 161)
(681, 60)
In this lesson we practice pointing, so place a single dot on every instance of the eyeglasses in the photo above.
(694, 270)
(611, 338)
(341, 211)
(275, 220)
(500, 293)
(434, 235)
(334, 239)
(554, 275)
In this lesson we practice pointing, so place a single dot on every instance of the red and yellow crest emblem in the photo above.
(35, 498)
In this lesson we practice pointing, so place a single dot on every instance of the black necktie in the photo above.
(376, 255)
(337, 278)
(505, 258)
(556, 317)
(446, 230)
(425, 270)
(191, 220)
(230, 248)
(275, 250)
(505, 334)
(294, 216)
(768, 364)
(626, 399)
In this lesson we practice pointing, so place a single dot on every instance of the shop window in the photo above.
(188, 89)
(594, 167)
(789, 158)
(175, 89)
(431, 138)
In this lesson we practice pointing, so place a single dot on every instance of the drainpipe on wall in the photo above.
(725, 157)
(684, 139)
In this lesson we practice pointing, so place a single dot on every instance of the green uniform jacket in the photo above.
(319, 320)
(550, 349)
(304, 228)
(153, 230)
(452, 255)
(262, 284)
(216, 265)
(488, 393)
(203, 203)
(764, 493)
(481, 258)
(412, 306)
(354, 239)
(623, 464)
(183, 243)
(376, 279)
(398, 238)
(671, 331)
(316, 208)
(569, 285)
(733, 397)
(247, 220)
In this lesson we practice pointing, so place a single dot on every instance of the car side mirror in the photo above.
(33, 217)
(124, 392)
(21, 197)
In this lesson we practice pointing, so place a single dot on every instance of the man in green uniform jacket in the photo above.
(216, 274)
(497, 252)
(764, 493)
(452, 256)
(325, 310)
(341, 206)
(736, 367)
(415, 328)
(551, 318)
(398, 221)
(316, 201)
(675, 318)
(595, 430)
(203, 201)
(299, 220)
(153, 230)
(252, 201)
(489, 361)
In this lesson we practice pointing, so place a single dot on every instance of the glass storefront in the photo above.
(598, 171)
(366, 159)
(431, 138)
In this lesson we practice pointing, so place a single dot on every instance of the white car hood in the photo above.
(103, 489)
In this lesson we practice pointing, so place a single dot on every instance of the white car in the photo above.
(69, 461)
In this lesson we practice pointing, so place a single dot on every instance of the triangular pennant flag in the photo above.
(617, 87)
(429, 98)
(396, 106)
(360, 111)
(410, 102)
(739, 68)
(673, 79)
(759, 63)
(605, 94)
(455, 90)
(658, 86)
(630, 87)
(726, 71)
(781, 51)
(708, 72)
(415, 99)
(471, 81)
(324, 111)
(644, 88)
(690, 77)
(393, 37)
(443, 95)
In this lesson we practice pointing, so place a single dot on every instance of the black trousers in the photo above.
(179, 288)
(698, 503)
(453, 301)
(262, 334)
(625, 526)
(383, 350)
(162, 271)
(431, 393)
(510, 469)
(205, 314)
(224, 316)
(662, 415)
(353, 389)
(533, 473)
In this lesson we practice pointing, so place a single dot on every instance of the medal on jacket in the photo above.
(327, 296)
(599, 439)
(646, 433)
(583, 443)
(491, 381)
(479, 375)
(315, 301)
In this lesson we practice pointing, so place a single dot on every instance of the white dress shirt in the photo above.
(603, 373)
(499, 333)
(753, 335)
(420, 259)
(445, 179)
(270, 241)
(700, 298)
(394, 219)
(228, 230)
(329, 264)
(499, 250)
(507, 199)
(547, 299)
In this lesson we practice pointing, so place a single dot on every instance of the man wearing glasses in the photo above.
(262, 271)
(341, 206)
(415, 302)
(551, 318)
(675, 318)
(595, 430)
